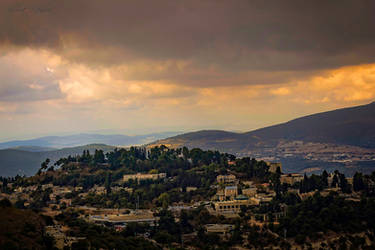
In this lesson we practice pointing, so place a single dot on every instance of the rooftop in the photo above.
(241, 197)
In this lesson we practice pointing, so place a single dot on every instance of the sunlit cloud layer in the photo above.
(75, 66)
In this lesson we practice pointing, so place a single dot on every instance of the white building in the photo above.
(140, 176)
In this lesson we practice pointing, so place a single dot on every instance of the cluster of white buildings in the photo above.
(230, 197)
(121, 220)
(140, 176)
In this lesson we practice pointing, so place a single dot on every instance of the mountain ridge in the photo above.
(323, 124)
(341, 138)
(85, 139)
(330, 127)
(21, 162)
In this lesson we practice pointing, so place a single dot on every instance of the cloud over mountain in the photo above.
(158, 62)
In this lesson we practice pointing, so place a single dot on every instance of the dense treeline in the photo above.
(320, 214)
(184, 168)
(252, 168)
(361, 183)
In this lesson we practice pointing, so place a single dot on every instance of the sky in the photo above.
(140, 66)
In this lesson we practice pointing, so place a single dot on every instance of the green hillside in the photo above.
(14, 161)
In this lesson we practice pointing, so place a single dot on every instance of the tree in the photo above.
(304, 184)
(44, 165)
(275, 180)
(164, 199)
(163, 237)
(167, 223)
(185, 152)
(324, 179)
(344, 185)
(334, 181)
(86, 157)
(107, 183)
(99, 156)
(358, 184)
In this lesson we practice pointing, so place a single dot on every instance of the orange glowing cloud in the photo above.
(107, 96)
(347, 84)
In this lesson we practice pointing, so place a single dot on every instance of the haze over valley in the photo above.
(342, 139)
(24, 157)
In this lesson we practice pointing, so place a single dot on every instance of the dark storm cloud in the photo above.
(230, 36)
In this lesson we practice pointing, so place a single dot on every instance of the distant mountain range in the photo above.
(348, 129)
(340, 139)
(54, 142)
(22, 162)
(24, 157)
(349, 126)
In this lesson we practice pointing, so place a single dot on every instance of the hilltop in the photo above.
(15, 161)
(349, 126)
(349, 132)
(24, 157)
(154, 199)
(84, 139)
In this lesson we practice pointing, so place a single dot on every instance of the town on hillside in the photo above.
(158, 198)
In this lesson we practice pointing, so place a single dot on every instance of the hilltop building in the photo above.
(230, 178)
(220, 195)
(291, 178)
(249, 192)
(233, 206)
(273, 166)
(219, 228)
(140, 216)
(231, 191)
(140, 176)
(262, 198)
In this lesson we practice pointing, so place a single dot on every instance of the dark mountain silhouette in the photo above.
(349, 126)
(353, 126)
(84, 139)
(340, 139)
(25, 156)
(15, 161)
